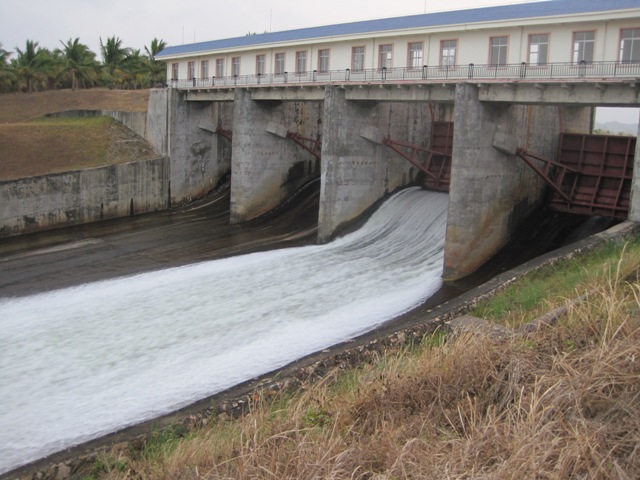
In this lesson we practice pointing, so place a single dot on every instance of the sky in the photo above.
(137, 22)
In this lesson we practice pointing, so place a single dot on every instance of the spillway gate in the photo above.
(435, 161)
(592, 176)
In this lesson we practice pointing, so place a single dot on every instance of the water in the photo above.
(81, 362)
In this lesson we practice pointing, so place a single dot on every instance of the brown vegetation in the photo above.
(560, 402)
(31, 145)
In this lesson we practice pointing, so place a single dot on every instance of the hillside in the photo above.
(32, 145)
(18, 107)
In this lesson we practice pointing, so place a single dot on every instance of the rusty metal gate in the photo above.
(592, 175)
(434, 162)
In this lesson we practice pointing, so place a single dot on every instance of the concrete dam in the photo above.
(367, 140)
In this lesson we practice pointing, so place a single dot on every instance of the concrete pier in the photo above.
(357, 170)
(199, 157)
(266, 166)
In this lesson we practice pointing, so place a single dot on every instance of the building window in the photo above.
(279, 64)
(191, 70)
(260, 64)
(357, 59)
(301, 63)
(323, 60)
(235, 66)
(499, 51)
(204, 69)
(385, 56)
(538, 49)
(174, 71)
(448, 53)
(630, 45)
(220, 67)
(583, 46)
(415, 55)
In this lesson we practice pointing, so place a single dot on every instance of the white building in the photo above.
(599, 36)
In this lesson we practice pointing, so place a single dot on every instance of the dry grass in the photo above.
(51, 145)
(19, 107)
(31, 145)
(559, 403)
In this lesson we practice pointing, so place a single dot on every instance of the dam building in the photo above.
(494, 105)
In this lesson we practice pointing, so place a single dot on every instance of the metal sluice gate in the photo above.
(434, 162)
(592, 176)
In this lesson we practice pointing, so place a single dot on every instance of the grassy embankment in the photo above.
(559, 402)
(52, 145)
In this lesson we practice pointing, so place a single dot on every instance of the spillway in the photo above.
(82, 362)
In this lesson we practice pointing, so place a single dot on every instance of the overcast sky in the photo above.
(137, 22)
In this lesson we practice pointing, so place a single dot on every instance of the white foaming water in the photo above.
(85, 361)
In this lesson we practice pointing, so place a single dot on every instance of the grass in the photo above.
(561, 402)
(52, 145)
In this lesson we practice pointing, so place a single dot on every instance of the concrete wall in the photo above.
(199, 157)
(71, 198)
(357, 170)
(492, 191)
(157, 127)
(266, 166)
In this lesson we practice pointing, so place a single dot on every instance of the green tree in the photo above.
(33, 66)
(6, 72)
(113, 57)
(157, 70)
(78, 63)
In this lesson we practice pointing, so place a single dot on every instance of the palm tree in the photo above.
(79, 63)
(33, 65)
(113, 53)
(157, 70)
(6, 73)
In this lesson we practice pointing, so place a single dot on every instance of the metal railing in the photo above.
(521, 71)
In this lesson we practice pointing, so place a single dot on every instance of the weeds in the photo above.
(555, 403)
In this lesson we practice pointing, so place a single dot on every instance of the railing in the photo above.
(522, 71)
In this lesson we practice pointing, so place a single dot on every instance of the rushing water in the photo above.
(85, 361)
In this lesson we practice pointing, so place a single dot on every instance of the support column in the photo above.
(634, 211)
(196, 162)
(492, 191)
(265, 166)
(357, 169)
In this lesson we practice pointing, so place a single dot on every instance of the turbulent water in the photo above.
(85, 361)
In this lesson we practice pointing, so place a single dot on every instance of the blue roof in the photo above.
(544, 8)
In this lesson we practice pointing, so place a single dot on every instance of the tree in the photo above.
(113, 55)
(78, 63)
(33, 66)
(6, 73)
(157, 70)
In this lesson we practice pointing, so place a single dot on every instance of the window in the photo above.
(415, 55)
(235, 66)
(538, 49)
(260, 64)
(279, 64)
(583, 46)
(385, 56)
(323, 61)
(499, 51)
(630, 45)
(204, 69)
(448, 53)
(301, 63)
(220, 67)
(174, 71)
(357, 59)
(191, 70)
